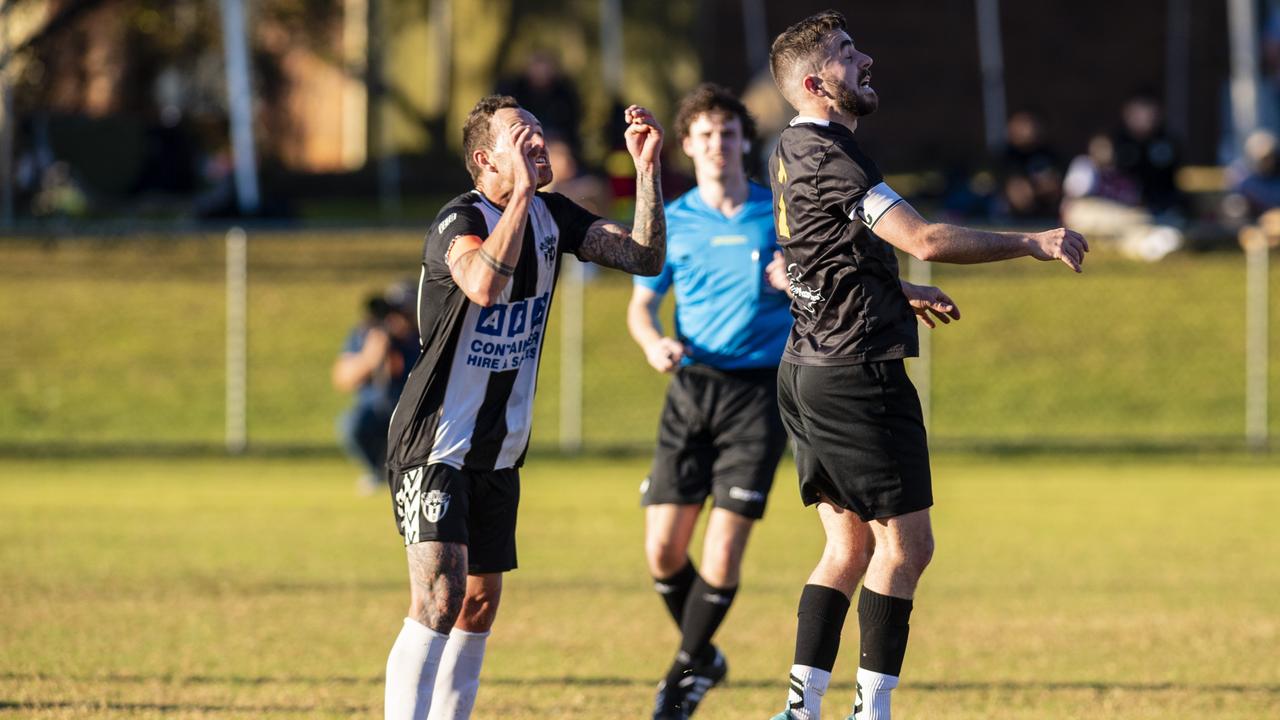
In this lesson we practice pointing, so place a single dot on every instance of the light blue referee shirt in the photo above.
(727, 314)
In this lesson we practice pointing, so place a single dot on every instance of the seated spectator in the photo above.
(1105, 203)
(1032, 177)
(1255, 177)
(374, 364)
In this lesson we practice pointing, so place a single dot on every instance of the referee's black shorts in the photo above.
(720, 435)
(858, 435)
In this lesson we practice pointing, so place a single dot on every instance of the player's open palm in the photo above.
(930, 304)
(1062, 244)
(524, 171)
(643, 136)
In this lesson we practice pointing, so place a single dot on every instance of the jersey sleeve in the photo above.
(453, 222)
(572, 219)
(848, 188)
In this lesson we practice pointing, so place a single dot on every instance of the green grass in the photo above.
(1063, 587)
(119, 341)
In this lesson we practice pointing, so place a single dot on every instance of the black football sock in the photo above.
(675, 590)
(883, 620)
(819, 622)
(703, 612)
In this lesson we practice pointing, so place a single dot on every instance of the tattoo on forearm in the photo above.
(641, 250)
(438, 575)
(495, 264)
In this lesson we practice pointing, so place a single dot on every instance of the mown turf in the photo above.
(1063, 587)
(119, 341)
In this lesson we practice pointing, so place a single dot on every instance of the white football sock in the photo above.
(808, 685)
(411, 671)
(873, 694)
(459, 676)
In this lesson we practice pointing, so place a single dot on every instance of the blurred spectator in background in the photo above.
(1104, 202)
(1255, 178)
(1032, 174)
(544, 90)
(587, 189)
(374, 363)
(1145, 152)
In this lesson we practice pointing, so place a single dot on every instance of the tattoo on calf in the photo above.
(438, 575)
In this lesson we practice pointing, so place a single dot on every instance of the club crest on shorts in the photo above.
(435, 505)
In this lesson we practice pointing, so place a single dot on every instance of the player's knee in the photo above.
(439, 608)
(479, 610)
(665, 558)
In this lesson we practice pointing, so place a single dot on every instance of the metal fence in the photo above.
(160, 343)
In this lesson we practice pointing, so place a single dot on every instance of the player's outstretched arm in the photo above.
(663, 353)
(482, 267)
(939, 242)
(641, 249)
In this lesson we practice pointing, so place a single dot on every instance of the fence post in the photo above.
(1256, 299)
(237, 437)
(572, 282)
(920, 272)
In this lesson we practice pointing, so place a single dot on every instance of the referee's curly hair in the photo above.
(712, 98)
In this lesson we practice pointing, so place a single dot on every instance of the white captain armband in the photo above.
(874, 204)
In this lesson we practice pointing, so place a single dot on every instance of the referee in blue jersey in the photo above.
(720, 434)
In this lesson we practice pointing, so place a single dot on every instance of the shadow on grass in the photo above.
(606, 681)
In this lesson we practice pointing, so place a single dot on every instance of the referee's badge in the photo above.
(435, 505)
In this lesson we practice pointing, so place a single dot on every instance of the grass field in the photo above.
(122, 344)
(1064, 587)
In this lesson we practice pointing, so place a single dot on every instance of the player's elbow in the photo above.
(923, 244)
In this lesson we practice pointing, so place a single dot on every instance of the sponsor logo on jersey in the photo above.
(803, 294)
(508, 334)
(746, 495)
(728, 240)
(446, 223)
(435, 505)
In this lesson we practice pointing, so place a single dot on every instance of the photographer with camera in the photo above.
(374, 363)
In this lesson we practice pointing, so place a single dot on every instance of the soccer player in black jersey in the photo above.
(853, 416)
(461, 428)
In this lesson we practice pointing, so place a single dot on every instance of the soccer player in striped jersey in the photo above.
(459, 433)
(844, 395)
(720, 435)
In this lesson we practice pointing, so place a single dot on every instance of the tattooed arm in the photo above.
(642, 249)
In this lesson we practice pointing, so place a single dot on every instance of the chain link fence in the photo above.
(120, 343)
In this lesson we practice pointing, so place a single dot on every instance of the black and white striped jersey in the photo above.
(468, 402)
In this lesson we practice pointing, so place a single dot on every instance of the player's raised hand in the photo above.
(523, 170)
(776, 273)
(643, 136)
(926, 300)
(664, 354)
(1062, 244)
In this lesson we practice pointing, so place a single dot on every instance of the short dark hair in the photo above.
(797, 46)
(477, 132)
(712, 98)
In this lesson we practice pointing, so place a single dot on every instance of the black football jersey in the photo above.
(847, 299)
(468, 402)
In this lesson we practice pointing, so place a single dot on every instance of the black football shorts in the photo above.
(476, 508)
(719, 435)
(858, 435)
